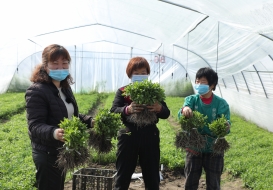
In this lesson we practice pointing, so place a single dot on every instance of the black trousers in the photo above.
(48, 176)
(141, 145)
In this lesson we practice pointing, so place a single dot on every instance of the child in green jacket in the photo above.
(213, 107)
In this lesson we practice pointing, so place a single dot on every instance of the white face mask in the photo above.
(139, 78)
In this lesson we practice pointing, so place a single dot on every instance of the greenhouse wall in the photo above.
(106, 72)
(258, 112)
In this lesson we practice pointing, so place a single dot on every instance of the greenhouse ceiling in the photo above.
(233, 37)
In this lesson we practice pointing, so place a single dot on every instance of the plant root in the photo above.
(196, 140)
(220, 146)
(186, 128)
(69, 159)
(99, 142)
(143, 118)
(182, 140)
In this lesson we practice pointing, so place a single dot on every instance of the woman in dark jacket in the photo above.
(48, 101)
(137, 143)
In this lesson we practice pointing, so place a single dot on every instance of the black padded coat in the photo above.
(45, 110)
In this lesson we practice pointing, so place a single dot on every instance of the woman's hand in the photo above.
(187, 112)
(134, 108)
(156, 107)
(59, 134)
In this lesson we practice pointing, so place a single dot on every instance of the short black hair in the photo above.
(209, 74)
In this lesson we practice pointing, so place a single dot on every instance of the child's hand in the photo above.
(228, 126)
(187, 112)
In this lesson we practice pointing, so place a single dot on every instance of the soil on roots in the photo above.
(143, 118)
(196, 139)
(68, 159)
(182, 140)
(220, 146)
(99, 142)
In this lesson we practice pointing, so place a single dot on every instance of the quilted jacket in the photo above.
(45, 109)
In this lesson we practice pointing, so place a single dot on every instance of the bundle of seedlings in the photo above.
(219, 128)
(190, 137)
(144, 93)
(106, 127)
(74, 152)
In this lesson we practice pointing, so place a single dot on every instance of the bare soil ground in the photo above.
(173, 180)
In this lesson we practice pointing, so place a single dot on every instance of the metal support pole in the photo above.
(193, 53)
(245, 82)
(260, 81)
(270, 57)
(220, 91)
(224, 83)
(235, 83)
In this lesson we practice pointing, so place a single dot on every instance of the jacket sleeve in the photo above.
(165, 112)
(119, 104)
(37, 113)
(87, 119)
(189, 102)
(179, 114)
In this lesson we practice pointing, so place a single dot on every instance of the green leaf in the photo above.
(107, 123)
(198, 120)
(218, 127)
(75, 134)
(145, 92)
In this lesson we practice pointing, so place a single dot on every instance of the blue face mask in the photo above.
(202, 88)
(139, 78)
(59, 74)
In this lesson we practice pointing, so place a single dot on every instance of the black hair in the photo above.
(209, 74)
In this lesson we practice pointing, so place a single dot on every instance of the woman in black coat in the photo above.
(48, 101)
(137, 143)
